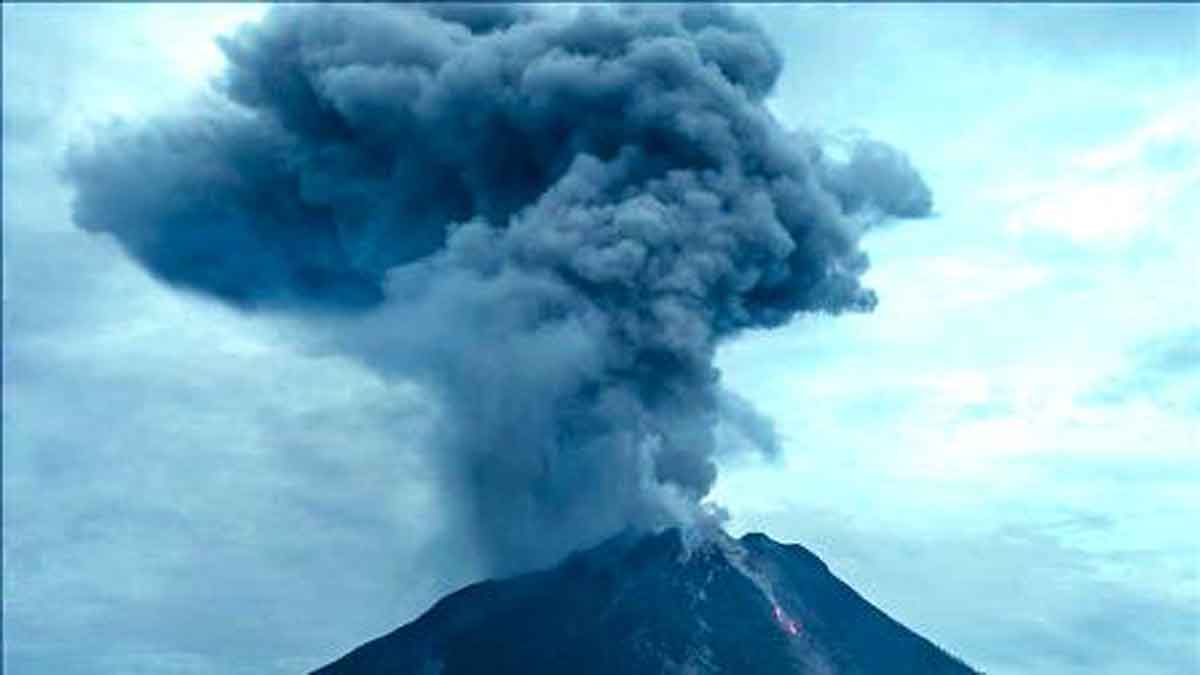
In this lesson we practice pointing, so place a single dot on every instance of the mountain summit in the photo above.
(658, 603)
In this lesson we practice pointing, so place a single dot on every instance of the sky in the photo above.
(1003, 455)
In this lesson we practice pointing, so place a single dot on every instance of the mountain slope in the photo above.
(655, 604)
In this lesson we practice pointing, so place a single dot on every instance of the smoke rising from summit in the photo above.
(549, 219)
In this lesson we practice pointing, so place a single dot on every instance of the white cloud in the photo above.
(942, 284)
(1176, 128)
(1118, 191)
(183, 34)
(1102, 210)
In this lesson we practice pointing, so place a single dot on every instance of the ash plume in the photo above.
(550, 219)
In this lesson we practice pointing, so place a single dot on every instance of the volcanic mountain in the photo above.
(661, 603)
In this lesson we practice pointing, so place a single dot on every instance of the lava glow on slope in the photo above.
(785, 622)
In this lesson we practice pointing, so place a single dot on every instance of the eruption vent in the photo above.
(548, 218)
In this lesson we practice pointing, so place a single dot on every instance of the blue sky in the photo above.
(1004, 455)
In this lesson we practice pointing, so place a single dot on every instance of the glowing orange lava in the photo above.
(785, 622)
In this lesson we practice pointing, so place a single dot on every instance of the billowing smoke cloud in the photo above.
(550, 219)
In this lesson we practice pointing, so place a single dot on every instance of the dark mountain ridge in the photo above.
(660, 603)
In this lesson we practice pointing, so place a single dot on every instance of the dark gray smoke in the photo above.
(551, 219)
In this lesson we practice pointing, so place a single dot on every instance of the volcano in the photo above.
(658, 603)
